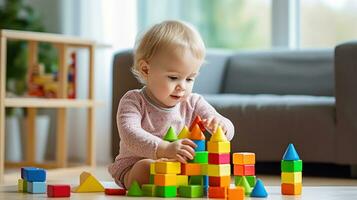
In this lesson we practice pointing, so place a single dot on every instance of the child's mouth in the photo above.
(175, 97)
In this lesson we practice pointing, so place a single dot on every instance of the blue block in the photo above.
(290, 153)
(205, 181)
(259, 190)
(205, 191)
(201, 145)
(36, 187)
(32, 174)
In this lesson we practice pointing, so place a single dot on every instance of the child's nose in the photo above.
(180, 86)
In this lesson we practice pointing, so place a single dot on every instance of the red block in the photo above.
(115, 191)
(58, 190)
(219, 181)
(219, 158)
(217, 192)
(244, 170)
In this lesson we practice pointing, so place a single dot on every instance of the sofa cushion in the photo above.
(270, 121)
(308, 72)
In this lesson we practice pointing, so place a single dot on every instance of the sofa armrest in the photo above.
(346, 101)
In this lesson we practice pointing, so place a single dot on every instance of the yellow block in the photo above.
(181, 180)
(244, 158)
(219, 170)
(20, 185)
(88, 183)
(291, 177)
(204, 168)
(162, 167)
(152, 168)
(165, 179)
(219, 147)
(185, 133)
(218, 136)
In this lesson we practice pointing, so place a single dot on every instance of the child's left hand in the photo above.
(212, 123)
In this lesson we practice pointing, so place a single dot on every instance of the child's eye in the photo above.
(172, 77)
(190, 79)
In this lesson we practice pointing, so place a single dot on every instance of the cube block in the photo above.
(181, 180)
(201, 145)
(191, 169)
(219, 170)
(20, 185)
(191, 191)
(291, 177)
(251, 180)
(166, 191)
(244, 170)
(165, 179)
(291, 165)
(244, 158)
(32, 174)
(217, 192)
(195, 180)
(291, 189)
(58, 190)
(219, 147)
(200, 157)
(36, 187)
(149, 190)
(167, 167)
(204, 168)
(152, 168)
(219, 158)
(236, 193)
(220, 181)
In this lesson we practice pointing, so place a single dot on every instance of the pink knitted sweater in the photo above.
(142, 125)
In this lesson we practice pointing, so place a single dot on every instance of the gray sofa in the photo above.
(276, 97)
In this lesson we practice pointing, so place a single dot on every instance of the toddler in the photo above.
(167, 59)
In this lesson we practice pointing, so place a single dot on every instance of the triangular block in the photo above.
(170, 135)
(135, 190)
(259, 190)
(88, 183)
(244, 183)
(196, 133)
(218, 136)
(197, 121)
(185, 133)
(290, 153)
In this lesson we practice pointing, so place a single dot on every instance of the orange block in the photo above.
(291, 189)
(165, 179)
(244, 158)
(244, 170)
(191, 169)
(236, 193)
(217, 192)
(197, 121)
(196, 133)
(219, 181)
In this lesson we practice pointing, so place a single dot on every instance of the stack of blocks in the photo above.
(32, 180)
(291, 172)
(244, 170)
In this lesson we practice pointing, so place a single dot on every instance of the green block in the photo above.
(195, 180)
(170, 135)
(291, 165)
(24, 186)
(244, 183)
(134, 190)
(148, 190)
(200, 157)
(151, 180)
(166, 191)
(191, 191)
(251, 180)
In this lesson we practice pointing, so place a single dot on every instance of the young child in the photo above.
(167, 59)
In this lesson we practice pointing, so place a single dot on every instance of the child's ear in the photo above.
(144, 68)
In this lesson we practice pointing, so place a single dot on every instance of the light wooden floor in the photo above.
(314, 188)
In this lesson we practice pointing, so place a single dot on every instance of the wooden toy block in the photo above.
(149, 190)
(244, 158)
(200, 157)
(204, 168)
(36, 187)
(291, 189)
(20, 185)
(152, 168)
(259, 190)
(88, 183)
(236, 193)
(251, 180)
(218, 147)
(135, 190)
(218, 136)
(185, 133)
(58, 190)
(217, 192)
(291, 165)
(170, 135)
(244, 183)
(191, 191)
(165, 179)
(291, 177)
(195, 180)
(244, 170)
(291, 153)
(205, 181)
(197, 121)
(166, 191)
(163, 167)
(191, 169)
(32, 174)
(196, 133)
(24, 189)
(219, 158)
(181, 180)
(219, 181)
(201, 145)
(151, 180)
(115, 191)
(219, 170)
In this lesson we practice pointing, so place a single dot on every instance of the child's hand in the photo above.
(212, 123)
(181, 150)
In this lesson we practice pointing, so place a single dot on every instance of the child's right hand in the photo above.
(181, 150)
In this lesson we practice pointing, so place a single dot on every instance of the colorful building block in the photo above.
(181, 180)
(163, 167)
(197, 121)
(291, 165)
(217, 192)
(170, 135)
(259, 190)
(219, 170)
(165, 179)
(166, 191)
(195, 180)
(291, 189)
(290, 153)
(149, 190)
(191, 191)
(135, 190)
(184, 133)
(200, 157)
(219, 158)
(204, 168)
(32, 174)
(244, 170)
(218, 147)
(220, 181)
(152, 168)
(251, 180)
(58, 190)
(115, 191)
(236, 193)
(20, 185)
(191, 169)
(196, 133)
(291, 177)
(201, 145)
(88, 183)
(151, 179)
(36, 187)
(218, 136)
(244, 183)
(244, 158)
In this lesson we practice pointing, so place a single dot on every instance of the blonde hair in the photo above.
(167, 34)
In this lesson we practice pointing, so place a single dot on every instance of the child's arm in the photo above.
(211, 117)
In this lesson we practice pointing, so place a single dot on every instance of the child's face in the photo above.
(170, 76)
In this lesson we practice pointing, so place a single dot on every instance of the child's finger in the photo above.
(184, 153)
(189, 142)
(180, 158)
(189, 149)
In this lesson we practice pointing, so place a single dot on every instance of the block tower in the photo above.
(219, 168)
(291, 172)
(32, 180)
(244, 170)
